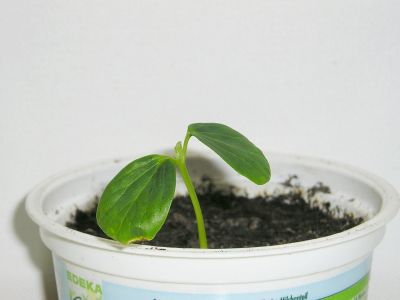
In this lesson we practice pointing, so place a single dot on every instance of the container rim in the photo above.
(390, 205)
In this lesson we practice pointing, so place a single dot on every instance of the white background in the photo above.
(87, 80)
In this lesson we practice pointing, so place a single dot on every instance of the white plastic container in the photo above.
(333, 267)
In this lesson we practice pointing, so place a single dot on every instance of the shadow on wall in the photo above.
(28, 233)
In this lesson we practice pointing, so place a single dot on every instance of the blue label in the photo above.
(75, 283)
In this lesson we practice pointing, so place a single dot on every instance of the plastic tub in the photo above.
(333, 267)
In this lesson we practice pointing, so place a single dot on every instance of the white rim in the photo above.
(389, 208)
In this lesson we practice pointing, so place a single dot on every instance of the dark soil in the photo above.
(234, 221)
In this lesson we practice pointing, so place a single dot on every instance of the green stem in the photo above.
(181, 163)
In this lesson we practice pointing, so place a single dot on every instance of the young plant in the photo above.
(136, 202)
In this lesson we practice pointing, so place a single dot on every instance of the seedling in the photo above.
(136, 202)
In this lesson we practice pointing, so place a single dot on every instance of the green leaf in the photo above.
(136, 202)
(235, 149)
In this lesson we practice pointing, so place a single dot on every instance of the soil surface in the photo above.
(234, 221)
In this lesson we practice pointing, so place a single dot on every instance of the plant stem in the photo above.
(181, 163)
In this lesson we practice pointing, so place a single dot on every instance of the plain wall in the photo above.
(82, 81)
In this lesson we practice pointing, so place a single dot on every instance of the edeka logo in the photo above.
(83, 289)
